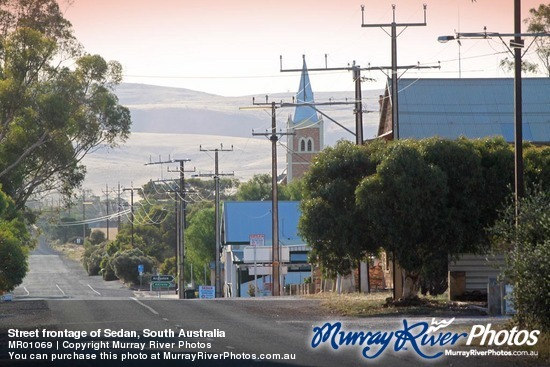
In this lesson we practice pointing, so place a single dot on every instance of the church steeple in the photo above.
(305, 95)
(306, 127)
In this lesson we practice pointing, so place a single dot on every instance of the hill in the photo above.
(176, 121)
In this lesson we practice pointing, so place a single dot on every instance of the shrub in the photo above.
(93, 262)
(530, 268)
(107, 270)
(97, 236)
(169, 266)
(526, 242)
(125, 265)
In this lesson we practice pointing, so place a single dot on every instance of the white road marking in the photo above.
(26, 290)
(144, 305)
(61, 290)
(96, 292)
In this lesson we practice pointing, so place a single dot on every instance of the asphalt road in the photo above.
(52, 276)
(57, 296)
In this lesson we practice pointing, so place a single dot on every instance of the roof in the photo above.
(475, 108)
(243, 218)
(305, 95)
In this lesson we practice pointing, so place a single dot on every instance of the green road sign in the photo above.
(162, 284)
(162, 278)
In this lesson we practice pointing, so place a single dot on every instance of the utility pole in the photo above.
(180, 213)
(106, 192)
(517, 44)
(83, 217)
(216, 175)
(131, 189)
(118, 208)
(394, 78)
(394, 92)
(173, 189)
(273, 136)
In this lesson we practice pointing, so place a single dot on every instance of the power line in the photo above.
(180, 219)
(216, 175)
(393, 34)
(274, 138)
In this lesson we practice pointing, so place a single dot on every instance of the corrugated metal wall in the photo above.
(478, 269)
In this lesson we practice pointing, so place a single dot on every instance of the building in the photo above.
(240, 220)
(306, 127)
(474, 108)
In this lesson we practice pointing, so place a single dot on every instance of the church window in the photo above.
(302, 145)
(310, 145)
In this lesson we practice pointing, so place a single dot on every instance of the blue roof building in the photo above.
(240, 219)
(474, 108)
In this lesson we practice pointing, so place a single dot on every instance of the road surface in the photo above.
(59, 299)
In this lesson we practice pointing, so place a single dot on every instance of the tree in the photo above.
(539, 22)
(51, 115)
(497, 167)
(465, 191)
(331, 222)
(525, 239)
(15, 243)
(97, 236)
(404, 206)
(536, 161)
(200, 240)
(293, 191)
(257, 188)
(125, 264)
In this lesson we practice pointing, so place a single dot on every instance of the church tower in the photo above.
(307, 127)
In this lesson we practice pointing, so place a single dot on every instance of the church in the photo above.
(306, 127)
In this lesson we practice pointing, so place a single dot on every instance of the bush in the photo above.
(93, 262)
(527, 248)
(92, 257)
(13, 262)
(125, 265)
(107, 270)
(169, 266)
(530, 268)
(97, 237)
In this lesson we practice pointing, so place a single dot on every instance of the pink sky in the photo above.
(233, 47)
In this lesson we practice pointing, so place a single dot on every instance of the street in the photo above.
(57, 300)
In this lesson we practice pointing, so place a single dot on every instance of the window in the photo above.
(302, 145)
(310, 145)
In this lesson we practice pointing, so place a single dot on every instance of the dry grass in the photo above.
(375, 304)
(70, 250)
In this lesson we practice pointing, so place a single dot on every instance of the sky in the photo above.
(233, 47)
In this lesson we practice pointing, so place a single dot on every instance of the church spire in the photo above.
(305, 95)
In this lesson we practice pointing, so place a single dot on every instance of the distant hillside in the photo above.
(182, 111)
(175, 122)
(126, 164)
